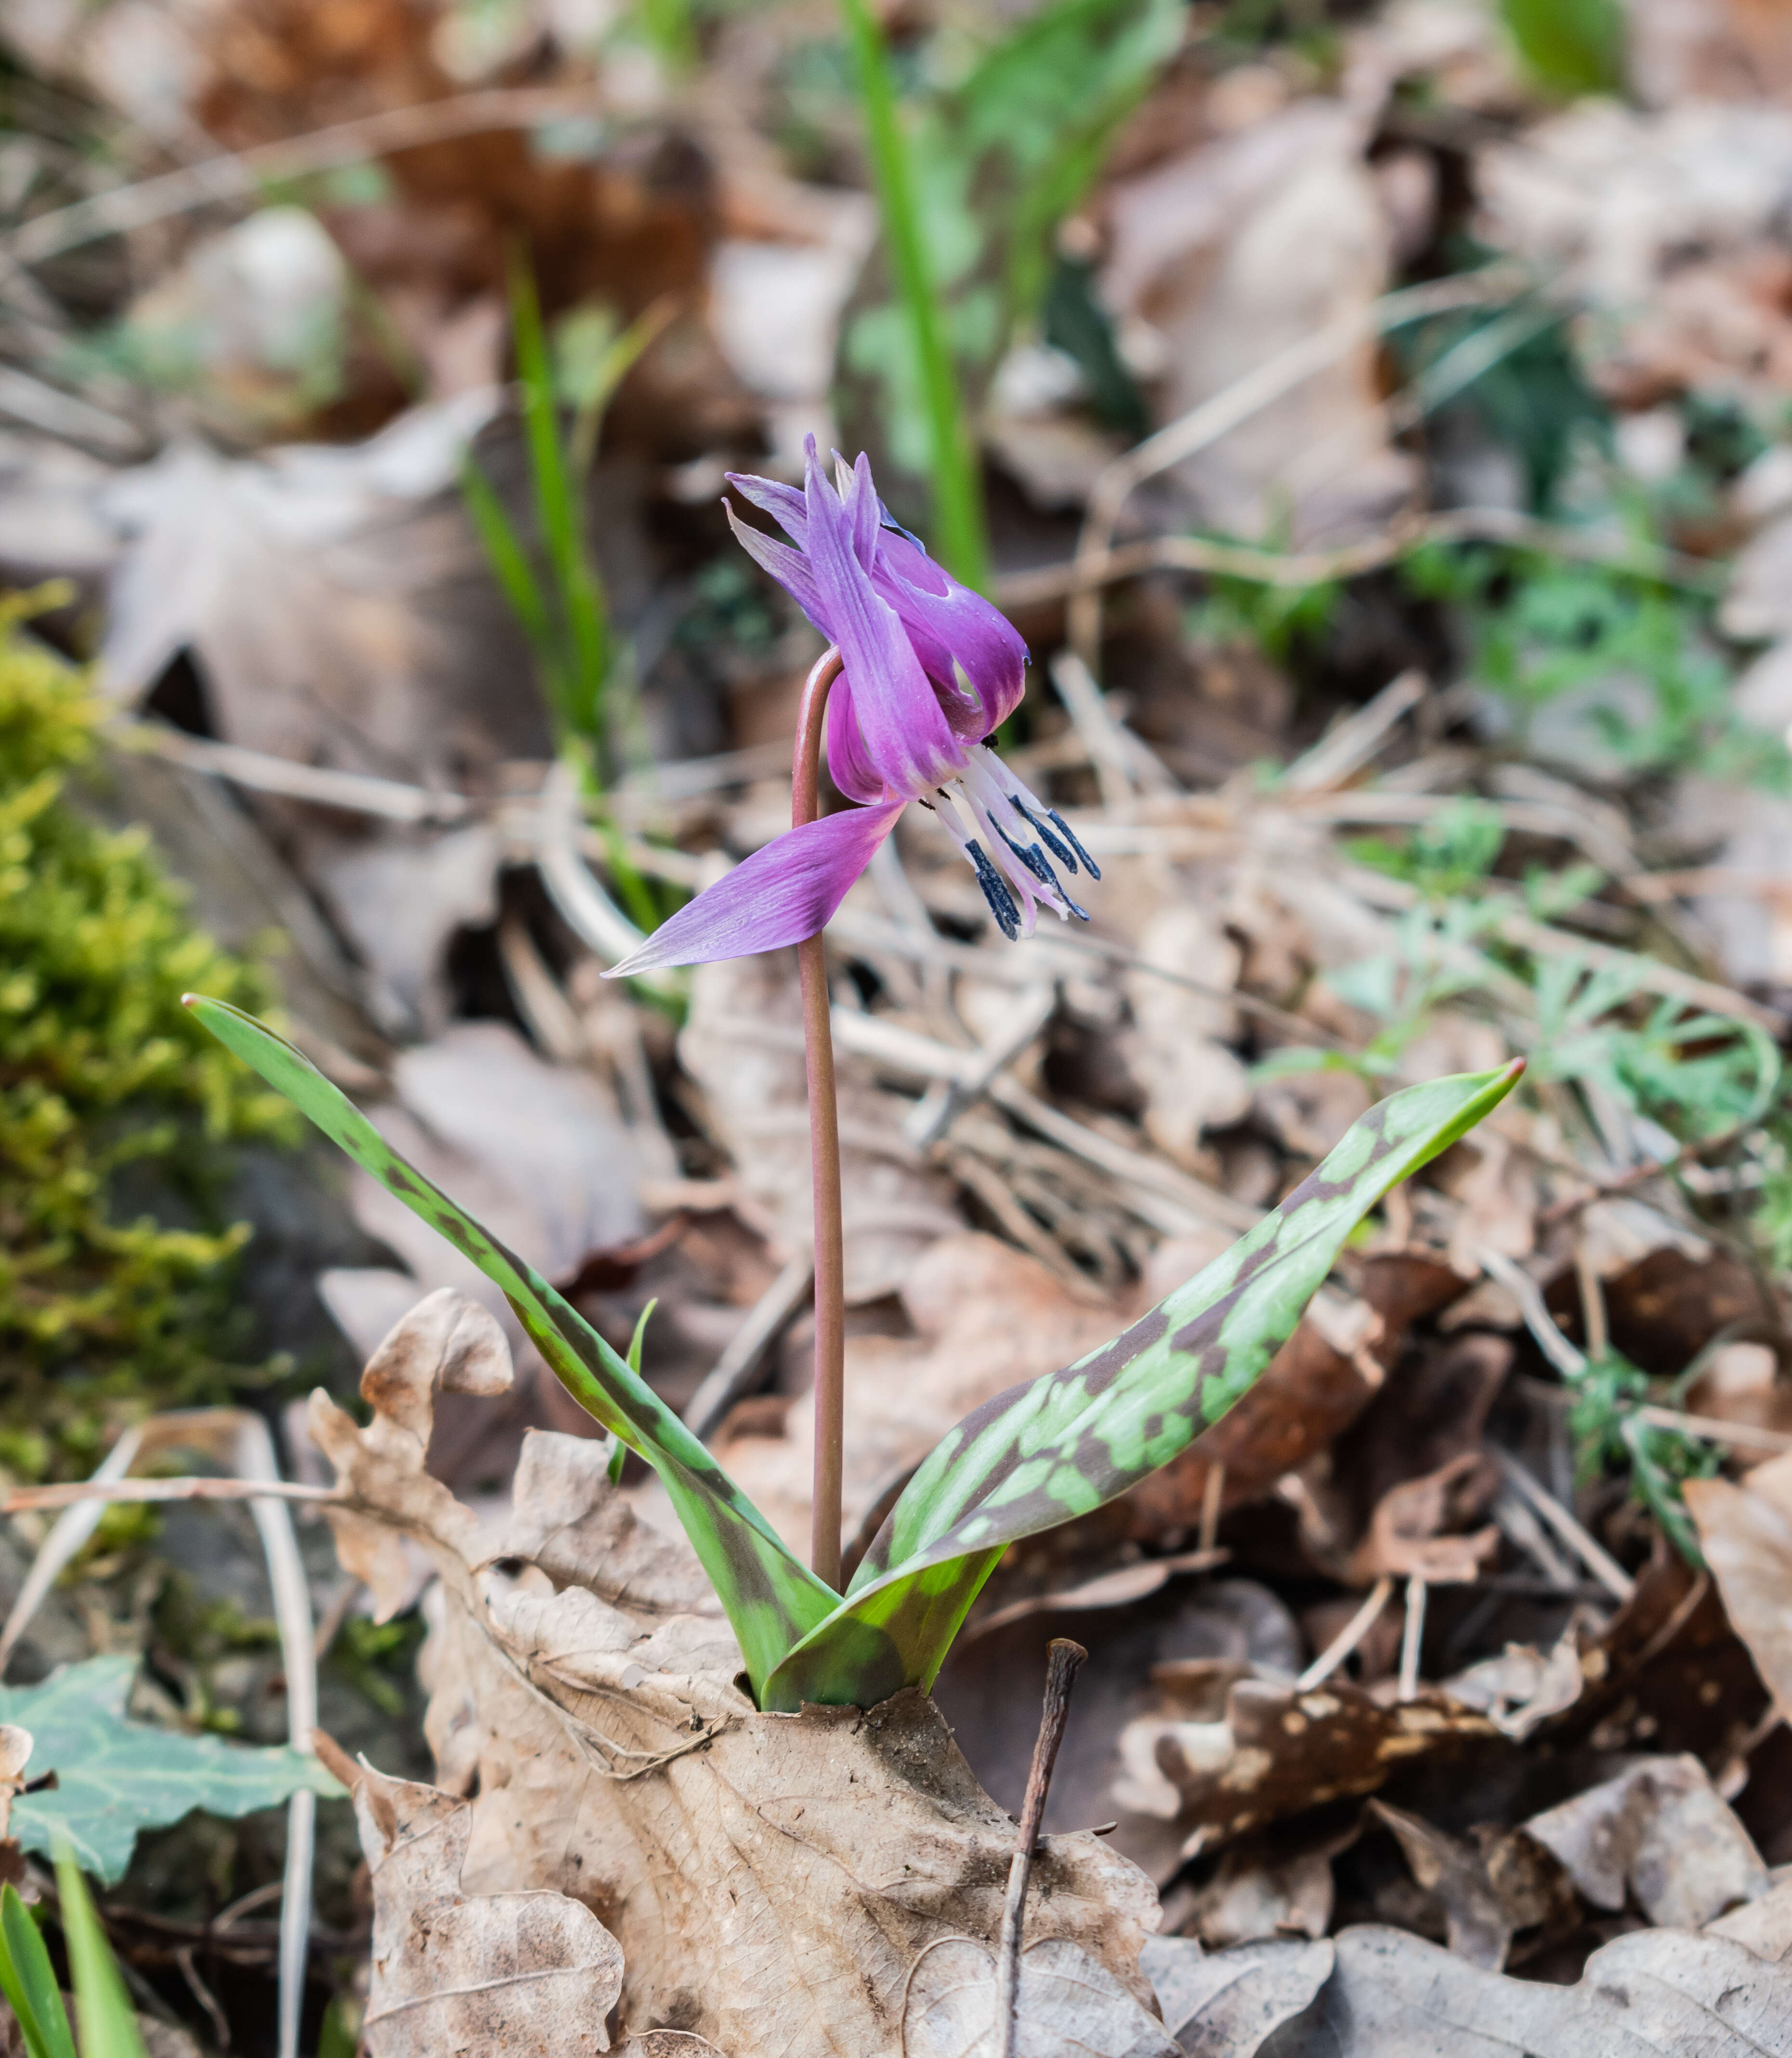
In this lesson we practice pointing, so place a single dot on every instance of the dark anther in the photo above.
(1061, 852)
(1033, 858)
(1089, 865)
(996, 892)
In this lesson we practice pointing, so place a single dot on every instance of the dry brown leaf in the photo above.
(1522, 1689)
(1764, 1926)
(1746, 1533)
(1663, 1831)
(1654, 1993)
(1180, 1054)
(1228, 2004)
(1480, 1928)
(532, 1974)
(1255, 1893)
(743, 1045)
(1067, 2005)
(1277, 1751)
(668, 2043)
(1247, 244)
(1407, 1535)
(771, 1880)
(447, 1343)
(539, 1154)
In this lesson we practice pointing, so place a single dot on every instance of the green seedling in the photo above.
(109, 2025)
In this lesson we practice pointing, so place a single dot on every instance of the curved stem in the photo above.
(824, 1150)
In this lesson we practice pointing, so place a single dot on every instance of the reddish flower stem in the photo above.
(824, 1149)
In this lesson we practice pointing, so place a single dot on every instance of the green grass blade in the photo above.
(959, 536)
(992, 165)
(28, 1980)
(108, 2021)
(509, 560)
(772, 1599)
(1043, 1453)
(561, 513)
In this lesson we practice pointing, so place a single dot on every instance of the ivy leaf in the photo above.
(114, 1777)
(772, 1599)
(1047, 1451)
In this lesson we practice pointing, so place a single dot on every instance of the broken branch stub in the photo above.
(772, 1881)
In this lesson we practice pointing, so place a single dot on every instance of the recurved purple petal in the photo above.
(906, 737)
(954, 629)
(790, 568)
(779, 895)
(783, 503)
(859, 497)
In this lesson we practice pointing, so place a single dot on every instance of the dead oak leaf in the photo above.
(1746, 1533)
(534, 1975)
(1227, 2004)
(1067, 2006)
(1654, 1993)
(1663, 1832)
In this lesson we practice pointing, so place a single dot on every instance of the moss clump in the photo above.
(101, 1070)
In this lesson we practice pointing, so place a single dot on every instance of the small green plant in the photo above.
(1569, 46)
(1682, 1075)
(101, 1079)
(1609, 1431)
(565, 614)
(553, 584)
(109, 2025)
(972, 184)
(1643, 656)
(1021, 1464)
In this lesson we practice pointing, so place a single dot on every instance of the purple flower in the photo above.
(931, 671)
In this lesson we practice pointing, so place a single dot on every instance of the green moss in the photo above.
(100, 1070)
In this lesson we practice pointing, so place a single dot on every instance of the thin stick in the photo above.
(1592, 1302)
(1348, 1637)
(824, 1154)
(1745, 1436)
(1599, 1562)
(1213, 1493)
(67, 1493)
(732, 1375)
(1064, 1661)
(1412, 1638)
(236, 175)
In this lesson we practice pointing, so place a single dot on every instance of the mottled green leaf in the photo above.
(772, 1599)
(114, 1777)
(1043, 1453)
